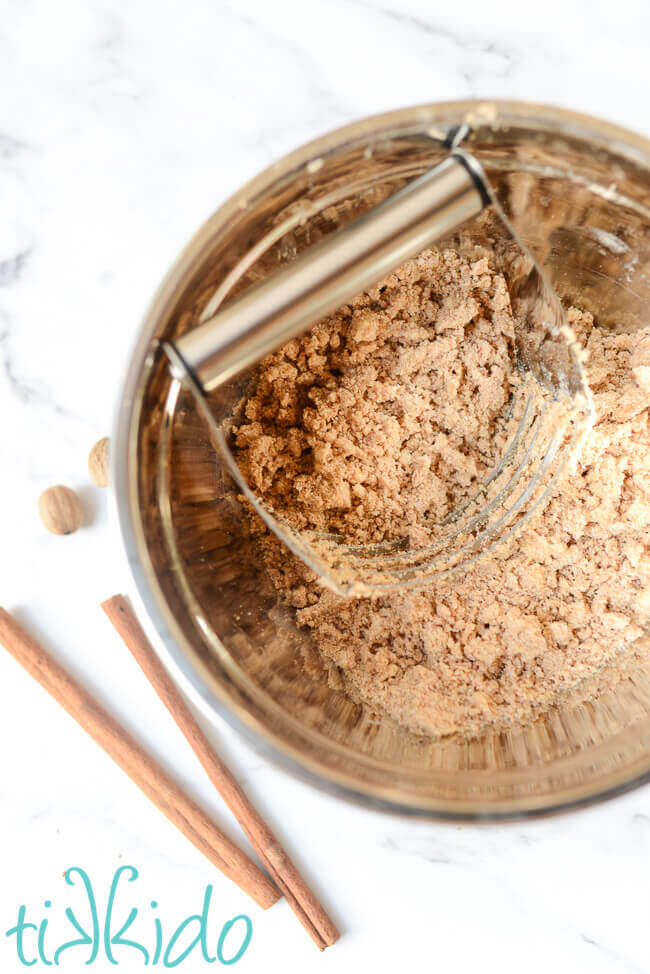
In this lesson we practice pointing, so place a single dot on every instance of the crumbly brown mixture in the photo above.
(386, 413)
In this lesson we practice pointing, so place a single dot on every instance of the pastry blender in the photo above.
(547, 416)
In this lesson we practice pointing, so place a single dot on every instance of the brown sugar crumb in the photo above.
(381, 418)
(384, 415)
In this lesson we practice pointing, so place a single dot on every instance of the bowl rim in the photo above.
(169, 641)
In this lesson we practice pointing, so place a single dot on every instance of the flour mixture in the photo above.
(386, 416)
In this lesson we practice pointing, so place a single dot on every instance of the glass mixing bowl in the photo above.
(578, 191)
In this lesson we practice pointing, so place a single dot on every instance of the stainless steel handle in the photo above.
(333, 271)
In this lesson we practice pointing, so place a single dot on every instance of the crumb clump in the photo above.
(383, 416)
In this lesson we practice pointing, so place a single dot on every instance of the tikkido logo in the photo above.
(98, 938)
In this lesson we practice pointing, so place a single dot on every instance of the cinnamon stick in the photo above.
(136, 763)
(282, 871)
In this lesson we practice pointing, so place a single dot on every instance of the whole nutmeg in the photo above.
(60, 510)
(98, 463)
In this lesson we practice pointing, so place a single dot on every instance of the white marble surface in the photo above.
(122, 126)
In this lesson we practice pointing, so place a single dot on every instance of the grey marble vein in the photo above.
(10, 147)
(27, 392)
(12, 268)
(622, 963)
(327, 102)
(468, 43)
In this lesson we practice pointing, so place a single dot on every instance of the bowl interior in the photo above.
(579, 198)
